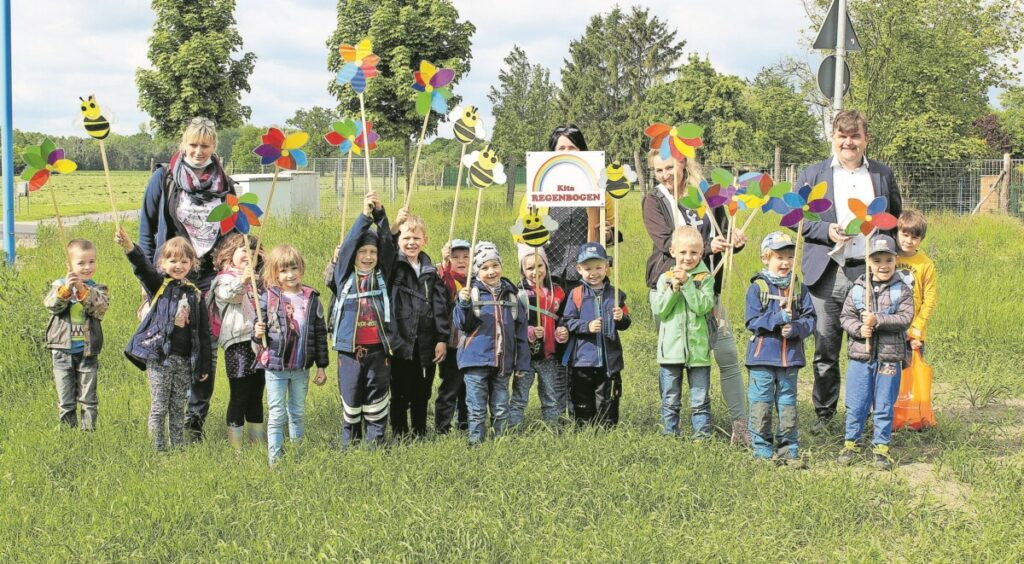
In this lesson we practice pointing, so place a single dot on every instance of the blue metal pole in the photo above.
(6, 120)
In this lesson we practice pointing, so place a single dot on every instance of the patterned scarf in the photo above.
(202, 185)
(777, 281)
(453, 281)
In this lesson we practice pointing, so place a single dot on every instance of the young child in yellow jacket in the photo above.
(912, 227)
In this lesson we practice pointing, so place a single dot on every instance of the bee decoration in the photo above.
(467, 124)
(618, 179)
(534, 229)
(484, 168)
(97, 126)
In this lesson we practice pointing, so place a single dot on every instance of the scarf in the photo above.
(777, 281)
(202, 185)
(453, 281)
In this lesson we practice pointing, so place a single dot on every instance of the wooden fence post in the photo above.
(1004, 192)
(778, 163)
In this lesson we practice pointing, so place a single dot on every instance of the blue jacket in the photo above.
(584, 348)
(344, 314)
(765, 319)
(152, 340)
(312, 342)
(480, 346)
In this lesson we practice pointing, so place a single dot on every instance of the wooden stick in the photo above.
(868, 286)
(110, 187)
(455, 204)
(603, 219)
(476, 224)
(266, 210)
(793, 282)
(416, 163)
(536, 286)
(366, 149)
(344, 198)
(746, 224)
(60, 225)
(728, 263)
(615, 235)
(252, 280)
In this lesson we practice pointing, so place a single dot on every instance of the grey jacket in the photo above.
(58, 332)
(889, 342)
(237, 315)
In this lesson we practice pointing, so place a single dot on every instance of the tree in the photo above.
(315, 121)
(996, 138)
(194, 74)
(781, 118)
(523, 114)
(1011, 117)
(242, 158)
(404, 32)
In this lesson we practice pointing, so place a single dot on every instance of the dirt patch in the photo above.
(923, 479)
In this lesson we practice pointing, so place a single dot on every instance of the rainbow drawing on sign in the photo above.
(556, 163)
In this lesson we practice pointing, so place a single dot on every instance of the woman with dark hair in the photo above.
(178, 199)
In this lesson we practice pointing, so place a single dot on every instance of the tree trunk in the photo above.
(510, 191)
(641, 170)
(778, 163)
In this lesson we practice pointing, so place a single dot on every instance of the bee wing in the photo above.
(471, 158)
(550, 223)
(481, 131)
(499, 173)
(602, 179)
(629, 173)
(455, 114)
(517, 229)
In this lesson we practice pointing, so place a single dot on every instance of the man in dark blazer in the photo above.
(849, 174)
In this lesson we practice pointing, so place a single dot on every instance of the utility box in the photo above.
(297, 192)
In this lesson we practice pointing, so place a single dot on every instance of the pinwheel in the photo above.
(694, 199)
(805, 204)
(241, 213)
(281, 151)
(868, 217)
(350, 137)
(433, 94)
(42, 161)
(360, 65)
(98, 127)
(675, 143)
(762, 194)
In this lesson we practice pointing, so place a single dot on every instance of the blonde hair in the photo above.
(178, 248)
(693, 173)
(281, 257)
(198, 130)
(687, 234)
(413, 222)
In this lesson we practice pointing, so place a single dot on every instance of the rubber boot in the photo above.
(235, 437)
(258, 433)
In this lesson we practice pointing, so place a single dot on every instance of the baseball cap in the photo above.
(591, 251)
(460, 244)
(883, 244)
(777, 240)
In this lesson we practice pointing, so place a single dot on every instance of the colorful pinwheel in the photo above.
(282, 151)
(432, 85)
(868, 217)
(761, 192)
(694, 200)
(360, 65)
(237, 213)
(675, 142)
(348, 136)
(43, 160)
(806, 203)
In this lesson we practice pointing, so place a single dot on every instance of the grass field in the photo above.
(625, 494)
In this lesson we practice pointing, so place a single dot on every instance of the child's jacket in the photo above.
(683, 334)
(344, 284)
(765, 319)
(590, 350)
(889, 342)
(494, 329)
(94, 305)
(420, 302)
(311, 347)
(152, 340)
(552, 306)
(233, 305)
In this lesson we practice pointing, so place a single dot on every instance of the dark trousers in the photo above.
(595, 395)
(827, 296)
(451, 396)
(411, 383)
(246, 401)
(199, 395)
(364, 380)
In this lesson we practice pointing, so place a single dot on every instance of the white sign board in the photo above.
(564, 179)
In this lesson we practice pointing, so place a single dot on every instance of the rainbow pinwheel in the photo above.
(360, 65)
(43, 160)
(805, 204)
(762, 192)
(675, 142)
(868, 217)
(348, 136)
(282, 151)
(432, 85)
(237, 213)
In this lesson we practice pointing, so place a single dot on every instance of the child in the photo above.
(911, 229)
(552, 386)
(873, 375)
(232, 316)
(494, 344)
(362, 326)
(594, 314)
(451, 393)
(172, 343)
(74, 336)
(296, 336)
(683, 298)
(775, 352)
(422, 320)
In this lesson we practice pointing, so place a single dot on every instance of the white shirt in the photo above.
(677, 215)
(848, 184)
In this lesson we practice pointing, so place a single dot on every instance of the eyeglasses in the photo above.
(202, 121)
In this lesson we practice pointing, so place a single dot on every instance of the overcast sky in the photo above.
(64, 49)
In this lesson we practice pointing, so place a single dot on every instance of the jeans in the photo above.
(282, 385)
(75, 378)
(771, 388)
(485, 386)
(871, 386)
(552, 389)
(451, 396)
(827, 296)
(670, 385)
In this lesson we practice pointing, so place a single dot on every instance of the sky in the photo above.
(62, 51)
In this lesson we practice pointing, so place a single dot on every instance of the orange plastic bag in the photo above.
(913, 408)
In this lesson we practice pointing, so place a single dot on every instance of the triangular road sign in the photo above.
(827, 35)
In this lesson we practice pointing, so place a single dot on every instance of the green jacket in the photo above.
(683, 332)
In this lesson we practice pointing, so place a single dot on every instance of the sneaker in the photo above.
(883, 461)
(822, 426)
(849, 453)
(740, 433)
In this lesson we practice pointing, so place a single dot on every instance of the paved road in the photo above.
(25, 231)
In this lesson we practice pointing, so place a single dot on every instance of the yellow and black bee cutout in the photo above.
(484, 168)
(618, 179)
(98, 127)
(467, 125)
(534, 228)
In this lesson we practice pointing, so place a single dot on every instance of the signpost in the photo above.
(836, 33)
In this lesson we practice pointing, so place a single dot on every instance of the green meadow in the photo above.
(579, 495)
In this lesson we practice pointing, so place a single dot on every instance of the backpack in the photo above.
(895, 293)
(345, 294)
(474, 296)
